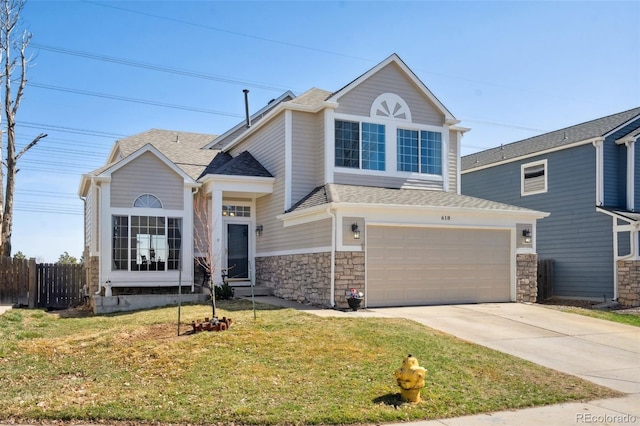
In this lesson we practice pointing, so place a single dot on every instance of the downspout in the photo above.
(194, 191)
(98, 197)
(331, 213)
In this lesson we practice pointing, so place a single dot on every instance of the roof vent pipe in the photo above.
(246, 106)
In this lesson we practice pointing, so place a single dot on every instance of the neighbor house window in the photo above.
(360, 145)
(146, 243)
(534, 178)
(419, 151)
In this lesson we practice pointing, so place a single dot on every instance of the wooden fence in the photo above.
(14, 280)
(545, 279)
(43, 285)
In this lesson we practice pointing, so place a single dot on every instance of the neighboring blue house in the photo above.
(587, 177)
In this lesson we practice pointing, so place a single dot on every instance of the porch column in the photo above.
(217, 235)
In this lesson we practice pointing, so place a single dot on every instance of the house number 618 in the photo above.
(445, 218)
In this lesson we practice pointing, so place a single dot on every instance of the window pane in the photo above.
(430, 152)
(347, 140)
(373, 143)
(119, 242)
(175, 242)
(407, 150)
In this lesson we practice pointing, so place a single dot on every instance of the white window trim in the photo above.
(391, 147)
(546, 177)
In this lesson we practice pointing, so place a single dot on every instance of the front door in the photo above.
(238, 250)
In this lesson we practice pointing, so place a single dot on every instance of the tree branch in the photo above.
(31, 144)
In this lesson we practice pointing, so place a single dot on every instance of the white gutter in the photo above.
(331, 213)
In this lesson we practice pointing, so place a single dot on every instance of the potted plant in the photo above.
(354, 298)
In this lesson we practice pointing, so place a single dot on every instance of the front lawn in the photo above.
(286, 367)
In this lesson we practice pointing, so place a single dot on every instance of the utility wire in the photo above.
(134, 100)
(154, 67)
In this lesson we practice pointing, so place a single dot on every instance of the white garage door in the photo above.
(427, 266)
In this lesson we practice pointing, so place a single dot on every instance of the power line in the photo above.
(209, 27)
(134, 100)
(97, 133)
(176, 71)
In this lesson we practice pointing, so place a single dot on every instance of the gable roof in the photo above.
(243, 164)
(394, 58)
(352, 194)
(583, 132)
(184, 149)
(233, 133)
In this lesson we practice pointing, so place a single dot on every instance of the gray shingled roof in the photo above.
(184, 149)
(312, 97)
(337, 193)
(241, 127)
(243, 164)
(558, 138)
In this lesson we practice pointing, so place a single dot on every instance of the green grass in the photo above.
(286, 367)
(630, 319)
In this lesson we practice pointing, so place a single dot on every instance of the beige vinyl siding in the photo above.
(319, 141)
(305, 161)
(453, 161)
(385, 181)
(88, 217)
(268, 147)
(147, 175)
(390, 79)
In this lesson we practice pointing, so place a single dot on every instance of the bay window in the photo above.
(146, 243)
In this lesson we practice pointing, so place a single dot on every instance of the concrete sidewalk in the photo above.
(600, 351)
(4, 308)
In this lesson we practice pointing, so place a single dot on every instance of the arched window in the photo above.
(148, 201)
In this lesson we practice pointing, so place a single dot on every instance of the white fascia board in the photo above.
(274, 112)
(460, 129)
(239, 183)
(142, 150)
(87, 180)
(394, 58)
(629, 121)
(534, 154)
(312, 214)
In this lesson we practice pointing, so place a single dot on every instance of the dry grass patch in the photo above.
(286, 367)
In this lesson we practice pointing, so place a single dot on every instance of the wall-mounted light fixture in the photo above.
(258, 230)
(356, 231)
(526, 233)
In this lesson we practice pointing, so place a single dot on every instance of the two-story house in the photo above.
(587, 177)
(313, 195)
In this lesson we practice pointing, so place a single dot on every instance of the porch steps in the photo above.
(245, 291)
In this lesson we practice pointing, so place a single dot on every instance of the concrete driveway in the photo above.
(602, 352)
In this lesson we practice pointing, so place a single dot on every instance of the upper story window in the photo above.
(148, 201)
(419, 151)
(534, 178)
(389, 141)
(360, 145)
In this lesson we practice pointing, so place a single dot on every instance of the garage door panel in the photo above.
(415, 266)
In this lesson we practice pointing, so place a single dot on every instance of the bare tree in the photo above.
(14, 76)
(205, 250)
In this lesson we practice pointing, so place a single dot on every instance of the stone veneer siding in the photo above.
(629, 282)
(349, 273)
(304, 278)
(527, 278)
(93, 273)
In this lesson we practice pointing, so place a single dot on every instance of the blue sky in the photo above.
(509, 70)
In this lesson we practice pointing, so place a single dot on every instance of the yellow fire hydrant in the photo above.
(410, 378)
